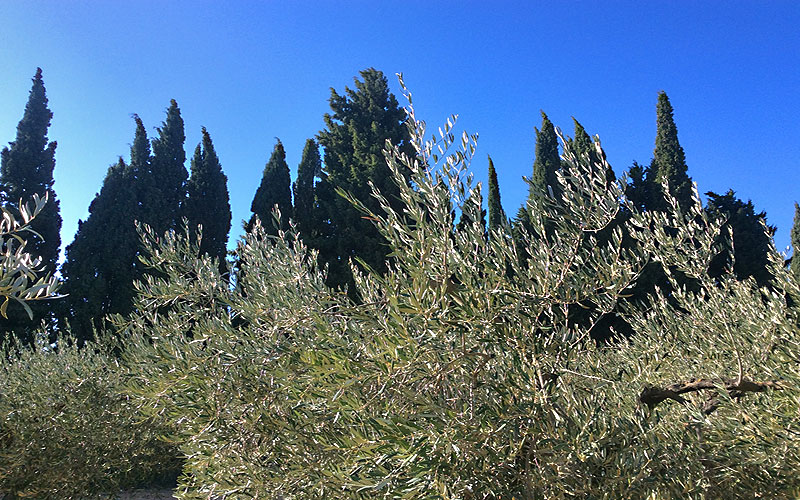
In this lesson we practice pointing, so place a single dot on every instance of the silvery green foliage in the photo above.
(459, 374)
(68, 429)
(20, 272)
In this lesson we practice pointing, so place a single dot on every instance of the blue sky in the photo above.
(253, 71)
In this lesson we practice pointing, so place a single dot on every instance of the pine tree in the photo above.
(795, 237)
(208, 203)
(669, 161)
(546, 163)
(99, 269)
(309, 169)
(26, 168)
(363, 119)
(497, 217)
(274, 190)
(164, 186)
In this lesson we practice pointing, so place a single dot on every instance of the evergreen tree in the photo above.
(208, 203)
(99, 269)
(795, 237)
(497, 216)
(547, 161)
(309, 169)
(274, 190)
(140, 152)
(669, 161)
(752, 238)
(636, 190)
(164, 186)
(26, 168)
(363, 119)
(584, 146)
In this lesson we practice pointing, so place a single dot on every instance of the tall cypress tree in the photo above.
(99, 270)
(309, 169)
(669, 161)
(208, 202)
(361, 121)
(795, 237)
(274, 190)
(26, 168)
(164, 186)
(497, 217)
(547, 161)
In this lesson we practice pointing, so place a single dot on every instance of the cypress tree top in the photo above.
(304, 199)
(547, 161)
(26, 168)
(164, 189)
(497, 216)
(208, 202)
(669, 160)
(275, 189)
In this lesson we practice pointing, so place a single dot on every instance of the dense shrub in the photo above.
(67, 430)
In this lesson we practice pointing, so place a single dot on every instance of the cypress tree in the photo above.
(361, 121)
(26, 168)
(164, 186)
(547, 161)
(99, 269)
(304, 197)
(274, 190)
(140, 152)
(794, 267)
(208, 203)
(751, 238)
(584, 148)
(636, 190)
(497, 216)
(669, 161)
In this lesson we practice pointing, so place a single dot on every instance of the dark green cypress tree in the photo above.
(497, 217)
(275, 189)
(546, 163)
(164, 186)
(361, 121)
(794, 267)
(309, 169)
(669, 161)
(99, 270)
(584, 147)
(26, 168)
(751, 238)
(636, 191)
(208, 202)
(140, 153)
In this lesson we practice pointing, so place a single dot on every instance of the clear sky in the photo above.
(252, 71)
